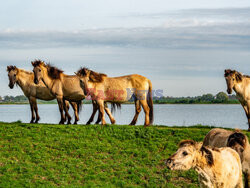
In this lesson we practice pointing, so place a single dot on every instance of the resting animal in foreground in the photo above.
(25, 80)
(103, 89)
(218, 168)
(237, 141)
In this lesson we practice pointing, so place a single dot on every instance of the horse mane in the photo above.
(208, 155)
(25, 71)
(53, 71)
(93, 76)
(11, 67)
(237, 138)
(187, 142)
(238, 75)
(37, 62)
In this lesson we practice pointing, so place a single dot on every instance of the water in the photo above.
(231, 116)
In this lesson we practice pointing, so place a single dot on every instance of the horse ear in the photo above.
(8, 68)
(33, 63)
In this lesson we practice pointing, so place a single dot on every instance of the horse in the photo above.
(216, 167)
(63, 87)
(241, 85)
(119, 90)
(236, 140)
(25, 80)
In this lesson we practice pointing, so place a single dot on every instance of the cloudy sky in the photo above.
(182, 46)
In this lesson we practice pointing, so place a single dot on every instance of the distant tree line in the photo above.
(221, 97)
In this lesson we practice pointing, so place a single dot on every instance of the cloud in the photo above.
(185, 29)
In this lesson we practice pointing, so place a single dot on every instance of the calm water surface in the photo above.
(231, 116)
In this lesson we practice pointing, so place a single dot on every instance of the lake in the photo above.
(219, 115)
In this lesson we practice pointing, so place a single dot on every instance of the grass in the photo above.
(43, 155)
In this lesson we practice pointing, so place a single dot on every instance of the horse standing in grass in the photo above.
(25, 80)
(241, 85)
(63, 87)
(216, 167)
(236, 140)
(103, 89)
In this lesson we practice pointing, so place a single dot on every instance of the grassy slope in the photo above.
(77, 155)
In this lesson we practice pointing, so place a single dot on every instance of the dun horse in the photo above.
(63, 87)
(241, 85)
(236, 140)
(216, 167)
(25, 80)
(103, 89)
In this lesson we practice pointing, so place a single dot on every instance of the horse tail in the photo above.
(114, 106)
(150, 103)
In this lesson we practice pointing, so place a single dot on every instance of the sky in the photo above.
(182, 46)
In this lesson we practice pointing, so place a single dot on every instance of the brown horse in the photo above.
(241, 85)
(118, 89)
(25, 80)
(63, 87)
(236, 140)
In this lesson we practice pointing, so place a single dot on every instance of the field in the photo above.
(38, 155)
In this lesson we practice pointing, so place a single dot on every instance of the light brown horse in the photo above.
(216, 167)
(25, 80)
(236, 140)
(241, 85)
(118, 89)
(63, 87)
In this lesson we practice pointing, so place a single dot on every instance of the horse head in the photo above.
(12, 74)
(232, 77)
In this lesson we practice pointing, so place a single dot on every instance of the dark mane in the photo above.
(37, 62)
(10, 68)
(186, 142)
(208, 155)
(53, 72)
(238, 75)
(93, 76)
(237, 138)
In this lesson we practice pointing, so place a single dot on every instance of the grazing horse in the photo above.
(236, 140)
(63, 87)
(25, 80)
(118, 89)
(216, 167)
(241, 85)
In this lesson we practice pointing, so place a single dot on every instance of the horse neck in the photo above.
(239, 87)
(48, 82)
(24, 79)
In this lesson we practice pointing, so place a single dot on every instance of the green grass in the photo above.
(45, 155)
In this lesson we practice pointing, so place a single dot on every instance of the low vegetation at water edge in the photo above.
(34, 155)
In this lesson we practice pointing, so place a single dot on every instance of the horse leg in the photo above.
(66, 108)
(60, 105)
(95, 108)
(247, 111)
(99, 119)
(75, 108)
(101, 111)
(31, 101)
(137, 112)
(146, 111)
(36, 111)
(112, 119)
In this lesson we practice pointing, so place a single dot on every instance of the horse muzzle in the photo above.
(229, 91)
(11, 86)
(36, 81)
(170, 164)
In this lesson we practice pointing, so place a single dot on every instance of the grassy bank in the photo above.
(76, 155)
